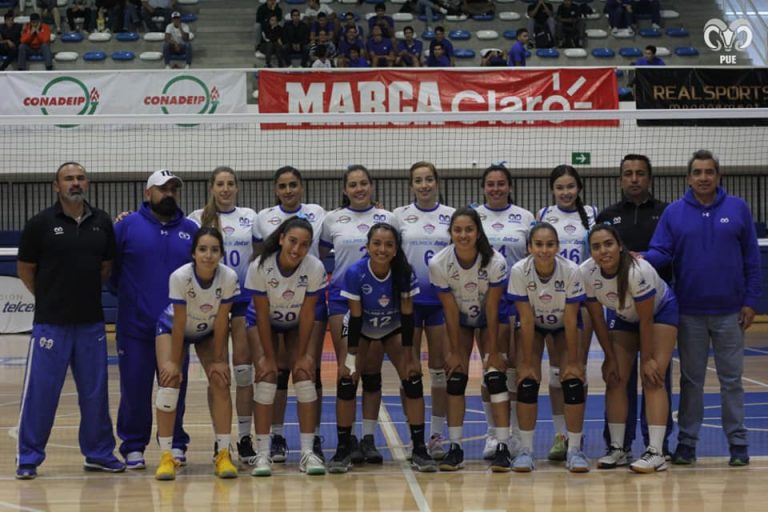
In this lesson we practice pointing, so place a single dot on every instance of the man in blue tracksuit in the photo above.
(709, 237)
(151, 244)
(65, 253)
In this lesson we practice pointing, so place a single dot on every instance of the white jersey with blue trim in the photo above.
(469, 286)
(423, 234)
(381, 313)
(571, 233)
(270, 218)
(346, 231)
(507, 230)
(285, 293)
(202, 303)
(547, 298)
(643, 282)
(238, 227)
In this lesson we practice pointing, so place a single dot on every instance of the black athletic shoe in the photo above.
(356, 455)
(454, 459)
(317, 448)
(341, 461)
(245, 451)
(421, 461)
(371, 454)
(278, 449)
(502, 460)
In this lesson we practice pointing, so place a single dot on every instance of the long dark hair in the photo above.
(210, 216)
(482, 245)
(626, 260)
(538, 227)
(207, 230)
(352, 168)
(432, 169)
(272, 244)
(400, 269)
(567, 170)
(503, 169)
(285, 170)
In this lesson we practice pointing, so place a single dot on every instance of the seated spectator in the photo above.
(516, 57)
(177, 41)
(541, 23)
(570, 25)
(649, 57)
(296, 39)
(273, 42)
(356, 59)
(321, 58)
(409, 50)
(351, 38)
(35, 40)
(80, 10)
(315, 8)
(437, 57)
(151, 9)
(10, 39)
(263, 13)
(132, 15)
(649, 7)
(428, 8)
(619, 14)
(446, 44)
(384, 22)
(349, 21)
(322, 41)
(49, 9)
(380, 48)
(493, 58)
(322, 23)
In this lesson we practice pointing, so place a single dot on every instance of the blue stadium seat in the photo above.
(686, 51)
(483, 17)
(94, 56)
(435, 17)
(72, 37)
(126, 37)
(630, 52)
(459, 35)
(35, 57)
(677, 32)
(10, 238)
(191, 18)
(650, 32)
(510, 34)
(603, 53)
(464, 53)
(625, 93)
(547, 53)
(427, 35)
(619, 73)
(123, 55)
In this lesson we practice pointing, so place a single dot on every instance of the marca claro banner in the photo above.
(444, 90)
(17, 306)
(198, 92)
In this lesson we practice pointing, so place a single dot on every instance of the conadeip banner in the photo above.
(191, 92)
(444, 90)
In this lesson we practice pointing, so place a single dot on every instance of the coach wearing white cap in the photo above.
(151, 243)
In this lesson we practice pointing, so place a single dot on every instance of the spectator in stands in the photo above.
(649, 57)
(263, 13)
(35, 40)
(177, 41)
(273, 42)
(380, 48)
(409, 50)
(132, 15)
(351, 38)
(650, 8)
(48, 9)
(437, 57)
(315, 8)
(619, 14)
(296, 39)
(447, 45)
(428, 8)
(322, 41)
(356, 59)
(541, 23)
(322, 23)
(517, 53)
(349, 21)
(570, 25)
(321, 57)
(155, 9)
(80, 10)
(10, 39)
(493, 57)
(384, 22)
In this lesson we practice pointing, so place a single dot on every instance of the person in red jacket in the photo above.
(35, 40)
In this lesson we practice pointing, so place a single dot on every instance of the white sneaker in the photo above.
(135, 460)
(489, 451)
(615, 457)
(180, 456)
(649, 462)
(656, 26)
(311, 464)
(435, 447)
(263, 465)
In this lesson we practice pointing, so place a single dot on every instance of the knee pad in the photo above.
(457, 384)
(264, 393)
(438, 378)
(528, 391)
(346, 389)
(371, 382)
(413, 387)
(244, 375)
(166, 399)
(305, 391)
(318, 380)
(512, 380)
(283, 375)
(573, 392)
(496, 382)
(554, 377)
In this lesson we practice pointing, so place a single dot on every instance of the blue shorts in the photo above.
(238, 309)
(321, 309)
(165, 326)
(428, 315)
(337, 307)
(506, 310)
(667, 315)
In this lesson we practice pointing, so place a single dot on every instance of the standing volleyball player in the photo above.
(201, 295)
(424, 232)
(286, 281)
(345, 230)
(289, 191)
(238, 227)
(572, 221)
(506, 227)
(380, 288)
(547, 292)
(642, 316)
(470, 278)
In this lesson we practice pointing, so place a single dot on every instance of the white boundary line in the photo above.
(5, 504)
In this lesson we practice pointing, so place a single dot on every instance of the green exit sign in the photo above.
(581, 158)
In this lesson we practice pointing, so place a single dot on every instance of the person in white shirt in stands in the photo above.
(177, 41)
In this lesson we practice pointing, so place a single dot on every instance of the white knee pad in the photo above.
(512, 380)
(166, 399)
(554, 377)
(244, 375)
(264, 393)
(305, 391)
(438, 378)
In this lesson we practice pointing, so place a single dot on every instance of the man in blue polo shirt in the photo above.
(409, 50)
(649, 57)
(380, 49)
(517, 52)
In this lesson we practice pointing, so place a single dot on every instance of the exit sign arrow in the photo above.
(581, 158)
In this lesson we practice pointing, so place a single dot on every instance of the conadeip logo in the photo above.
(186, 94)
(719, 36)
(65, 95)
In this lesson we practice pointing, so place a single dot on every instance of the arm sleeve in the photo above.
(30, 244)
(176, 288)
(750, 251)
(437, 277)
(255, 280)
(661, 248)
(516, 290)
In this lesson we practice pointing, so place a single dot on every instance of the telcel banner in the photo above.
(17, 306)
(441, 90)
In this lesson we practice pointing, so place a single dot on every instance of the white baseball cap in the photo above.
(161, 177)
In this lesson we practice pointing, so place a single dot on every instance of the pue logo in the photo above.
(719, 36)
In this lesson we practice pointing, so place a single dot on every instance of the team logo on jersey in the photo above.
(58, 230)
(206, 308)
(552, 219)
(531, 286)
(228, 230)
(642, 282)
(46, 343)
(612, 296)
(570, 229)
(191, 293)
(514, 218)
(379, 217)
(444, 219)
(303, 281)
(274, 221)
(545, 298)
(274, 283)
(244, 222)
(411, 219)
(344, 219)
(384, 301)
(559, 285)
(366, 289)
(470, 287)
(429, 228)
(598, 285)
(184, 235)
(482, 216)
(497, 226)
(617, 220)
(218, 293)
(363, 228)
(482, 274)
(288, 295)
(724, 220)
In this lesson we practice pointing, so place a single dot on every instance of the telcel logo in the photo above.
(719, 36)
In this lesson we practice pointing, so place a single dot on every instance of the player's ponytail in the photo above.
(210, 216)
(626, 260)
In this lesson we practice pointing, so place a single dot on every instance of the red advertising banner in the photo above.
(443, 90)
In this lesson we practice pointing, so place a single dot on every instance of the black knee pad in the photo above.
(528, 391)
(496, 382)
(413, 387)
(318, 380)
(573, 392)
(371, 382)
(346, 389)
(457, 384)
(283, 375)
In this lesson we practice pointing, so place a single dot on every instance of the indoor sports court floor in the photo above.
(62, 485)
